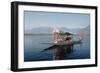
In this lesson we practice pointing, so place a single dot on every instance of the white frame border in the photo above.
(22, 64)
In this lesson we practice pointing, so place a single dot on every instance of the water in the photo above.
(33, 49)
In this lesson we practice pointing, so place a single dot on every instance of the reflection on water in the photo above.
(35, 49)
(60, 51)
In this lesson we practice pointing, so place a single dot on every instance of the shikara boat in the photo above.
(62, 44)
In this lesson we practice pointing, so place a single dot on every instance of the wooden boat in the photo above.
(65, 43)
(62, 44)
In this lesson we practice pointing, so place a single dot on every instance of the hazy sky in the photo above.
(51, 19)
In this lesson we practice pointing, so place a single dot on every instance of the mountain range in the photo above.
(50, 29)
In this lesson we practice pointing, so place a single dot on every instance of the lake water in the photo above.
(33, 49)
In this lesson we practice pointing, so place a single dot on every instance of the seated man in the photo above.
(68, 38)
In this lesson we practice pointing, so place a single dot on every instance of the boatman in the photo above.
(56, 35)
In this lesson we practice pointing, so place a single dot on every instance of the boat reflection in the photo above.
(60, 51)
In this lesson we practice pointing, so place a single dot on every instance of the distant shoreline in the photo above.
(38, 34)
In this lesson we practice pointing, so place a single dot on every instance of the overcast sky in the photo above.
(48, 19)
